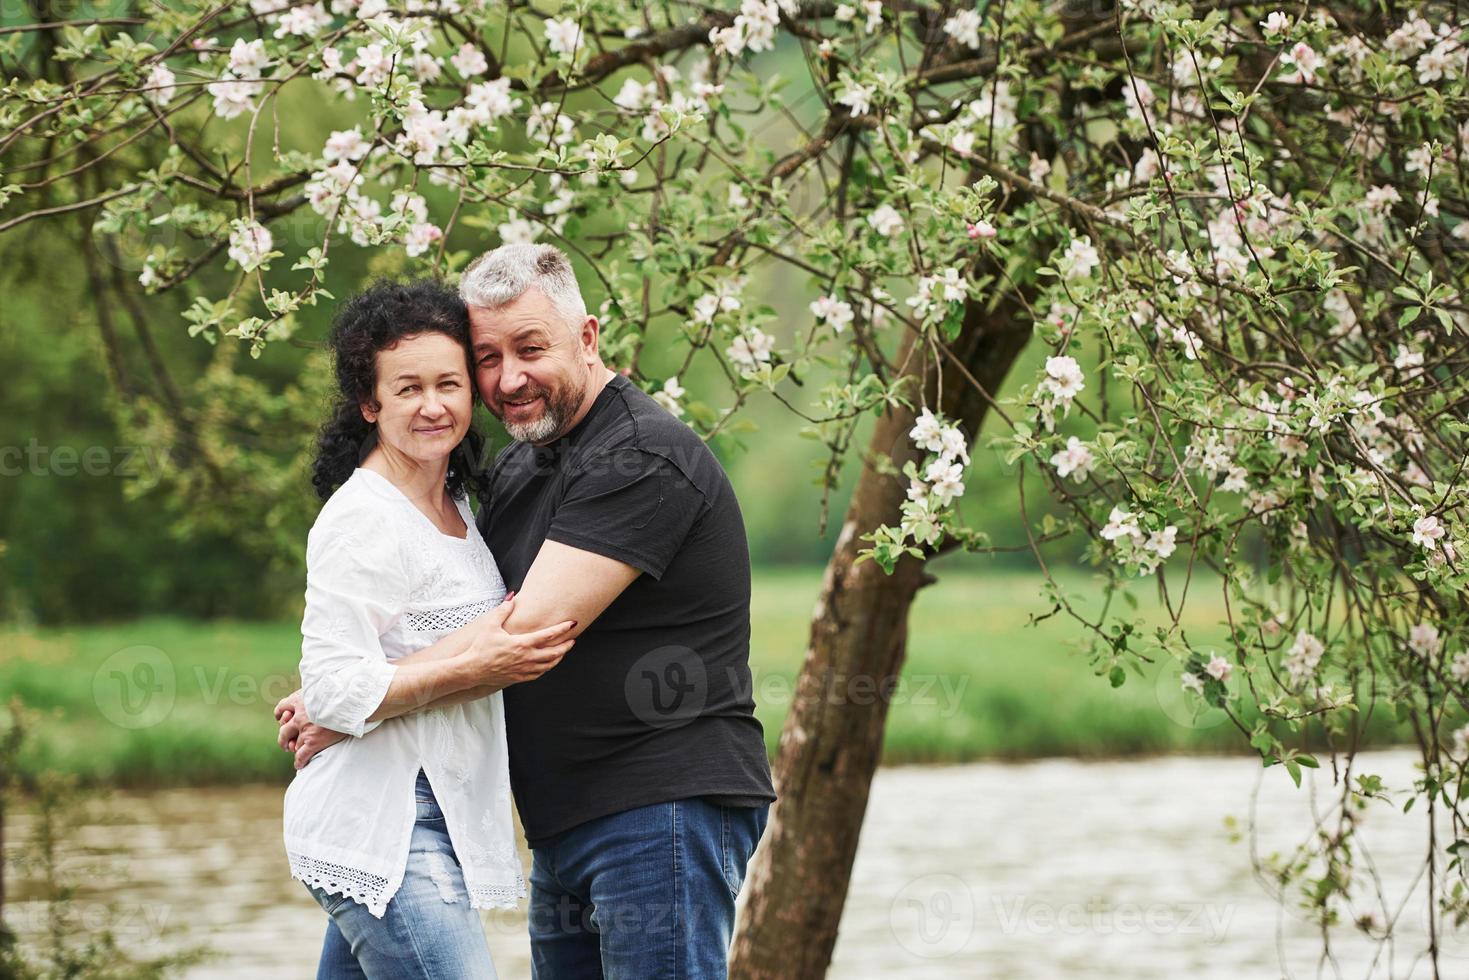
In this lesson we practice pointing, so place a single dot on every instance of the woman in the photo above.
(402, 829)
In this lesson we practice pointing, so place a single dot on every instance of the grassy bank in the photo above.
(163, 701)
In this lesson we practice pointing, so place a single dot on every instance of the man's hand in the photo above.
(298, 735)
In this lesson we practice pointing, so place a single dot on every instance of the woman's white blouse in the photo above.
(382, 582)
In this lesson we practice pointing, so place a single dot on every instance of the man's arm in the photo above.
(568, 583)
(564, 583)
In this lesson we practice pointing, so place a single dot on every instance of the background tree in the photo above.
(1234, 234)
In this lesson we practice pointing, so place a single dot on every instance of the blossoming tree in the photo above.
(1237, 231)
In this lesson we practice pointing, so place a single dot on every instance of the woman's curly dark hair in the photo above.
(373, 320)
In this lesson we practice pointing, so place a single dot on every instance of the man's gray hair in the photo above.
(502, 275)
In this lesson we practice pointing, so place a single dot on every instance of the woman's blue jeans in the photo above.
(429, 931)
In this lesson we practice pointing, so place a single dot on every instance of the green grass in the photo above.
(978, 683)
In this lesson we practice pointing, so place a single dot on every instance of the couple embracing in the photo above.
(581, 644)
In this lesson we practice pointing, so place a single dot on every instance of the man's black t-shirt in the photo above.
(655, 701)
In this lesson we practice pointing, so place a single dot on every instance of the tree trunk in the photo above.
(832, 739)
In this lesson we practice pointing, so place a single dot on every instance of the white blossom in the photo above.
(921, 520)
(1419, 159)
(159, 85)
(1381, 197)
(1461, 741)
(563, 35)
(751, 349)
(1038, 168)
(1424, 640)
(421, 237)
(927, 432)
(1080, 258)
(469, 61)
(425, 133)
(886, 220)
(374, 65)
(305, 21)
(250, 244)
(327, 187)
(518, 231)
(1162, 543)
(546, 123)
(1120, 523)
(836, 313)
(1064, 377)
(1445, 61)
(724, 299)
(953, 445)
(491, 99)
(634, 96)
(857, 98)
(1306, 61)
(1075, 460)
(1411, 37)
(233, 97)
(980, 229)
(1277, 23)
(1304, 656)
(345, 144)
(668, 396)
(945, 480)
(1235, 480)
(1218, 668)
(995, 106)
(248, 58)
(1189, 341)
(964, 28)
(954, 288)
(1427, 531)
(753, 29)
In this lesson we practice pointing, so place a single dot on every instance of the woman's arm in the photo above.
(494, 659)
(472, 662)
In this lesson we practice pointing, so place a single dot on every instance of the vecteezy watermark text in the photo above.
(128, 462)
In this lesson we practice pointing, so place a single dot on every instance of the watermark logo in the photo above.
(1097, 916)
(668, 687)
(1184, 703)
(135, 687)
(933, 916)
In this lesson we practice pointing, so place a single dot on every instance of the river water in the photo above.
(1053, 868)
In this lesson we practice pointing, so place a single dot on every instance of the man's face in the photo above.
(531, 366)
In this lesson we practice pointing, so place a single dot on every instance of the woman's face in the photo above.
(424, 399)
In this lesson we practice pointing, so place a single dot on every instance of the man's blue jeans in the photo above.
(646, 894)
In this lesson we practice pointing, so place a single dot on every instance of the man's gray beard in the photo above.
(549, 425)
(541, 430)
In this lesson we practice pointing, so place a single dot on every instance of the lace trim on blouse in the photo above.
(339, 879)
(447, 619)
(372, 890)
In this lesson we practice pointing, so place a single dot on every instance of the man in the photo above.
(638, 768)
